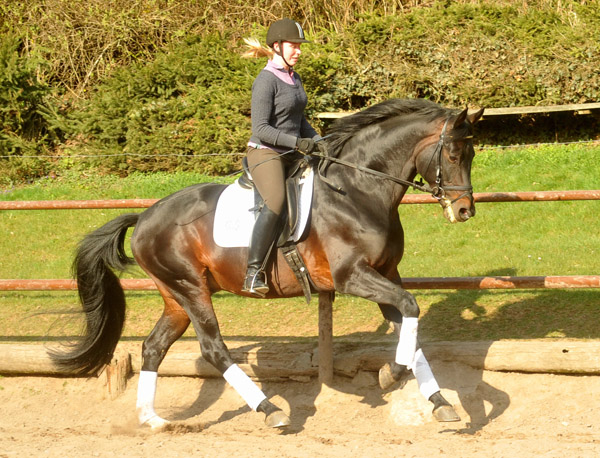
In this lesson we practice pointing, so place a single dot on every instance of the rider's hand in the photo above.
(306, 145)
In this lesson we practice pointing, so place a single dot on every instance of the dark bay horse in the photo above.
(353, 245)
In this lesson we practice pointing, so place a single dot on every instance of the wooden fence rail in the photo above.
(501, 282)
(525, 196)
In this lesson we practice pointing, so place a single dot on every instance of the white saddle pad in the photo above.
(234, 217)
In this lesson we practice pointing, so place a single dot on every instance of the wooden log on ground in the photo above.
(535, 356)
(27, 359)
(560, 357)
(33, 359)
(299, 360)
(277, 360)
(260, 360)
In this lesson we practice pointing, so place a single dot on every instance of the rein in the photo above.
(438, 191)
(414, 184)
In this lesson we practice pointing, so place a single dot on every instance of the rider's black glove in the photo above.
(306, 145)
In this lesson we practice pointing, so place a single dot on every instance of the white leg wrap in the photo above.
(145, 395)
(245, 387)
(425, 379)
(405, 353)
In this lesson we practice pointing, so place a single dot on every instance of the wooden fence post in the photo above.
(326, 338)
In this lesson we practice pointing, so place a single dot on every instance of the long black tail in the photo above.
(101, 296)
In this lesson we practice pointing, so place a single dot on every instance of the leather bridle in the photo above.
(438, 191)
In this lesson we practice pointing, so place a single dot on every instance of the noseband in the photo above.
(438, 191)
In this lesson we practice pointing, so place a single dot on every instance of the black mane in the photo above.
(344, 128)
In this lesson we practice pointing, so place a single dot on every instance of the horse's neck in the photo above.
(377, 154)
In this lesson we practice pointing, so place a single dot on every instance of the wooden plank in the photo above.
(511, 111)
(504, 282)
(145, 284)
(519, 196)
(25, 359)
(507, 111)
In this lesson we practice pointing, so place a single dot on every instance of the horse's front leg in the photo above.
(400, 307)
(397, 304)
(392, 373)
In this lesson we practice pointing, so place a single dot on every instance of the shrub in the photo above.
(187, 109)
(24, 130)
(137, 86)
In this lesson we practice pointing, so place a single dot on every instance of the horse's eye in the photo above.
(453, 159)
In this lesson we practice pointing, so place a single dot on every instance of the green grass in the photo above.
(547, 238)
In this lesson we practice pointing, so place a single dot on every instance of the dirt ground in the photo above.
(503, 415)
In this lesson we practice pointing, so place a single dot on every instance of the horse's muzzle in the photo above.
(459, 210)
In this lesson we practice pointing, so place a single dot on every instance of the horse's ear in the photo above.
(475, 117)
(460, 119)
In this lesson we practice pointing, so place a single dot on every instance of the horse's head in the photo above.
(446, 165)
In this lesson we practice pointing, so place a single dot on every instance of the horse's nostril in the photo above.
(464, 214)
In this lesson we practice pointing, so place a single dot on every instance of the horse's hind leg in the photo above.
(171, 325)
(196, 301)
(395, 372)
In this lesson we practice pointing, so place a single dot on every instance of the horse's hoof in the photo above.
(156, 423)
(386, 378)
(445, 414)
(277, 419)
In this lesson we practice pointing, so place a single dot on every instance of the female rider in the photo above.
(278, 126)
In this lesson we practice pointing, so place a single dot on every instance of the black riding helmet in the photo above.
(285, 30)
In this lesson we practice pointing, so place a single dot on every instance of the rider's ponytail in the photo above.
(255, 49)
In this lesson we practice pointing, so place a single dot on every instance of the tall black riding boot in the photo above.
(263, 237)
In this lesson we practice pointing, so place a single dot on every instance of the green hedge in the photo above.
(167, 86)
(24, 132)
(187, 109)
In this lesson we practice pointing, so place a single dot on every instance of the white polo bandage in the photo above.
(245, 387)
(146, 394)
(425, 379)
(407, 344)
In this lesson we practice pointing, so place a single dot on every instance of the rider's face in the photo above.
(290, 52)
